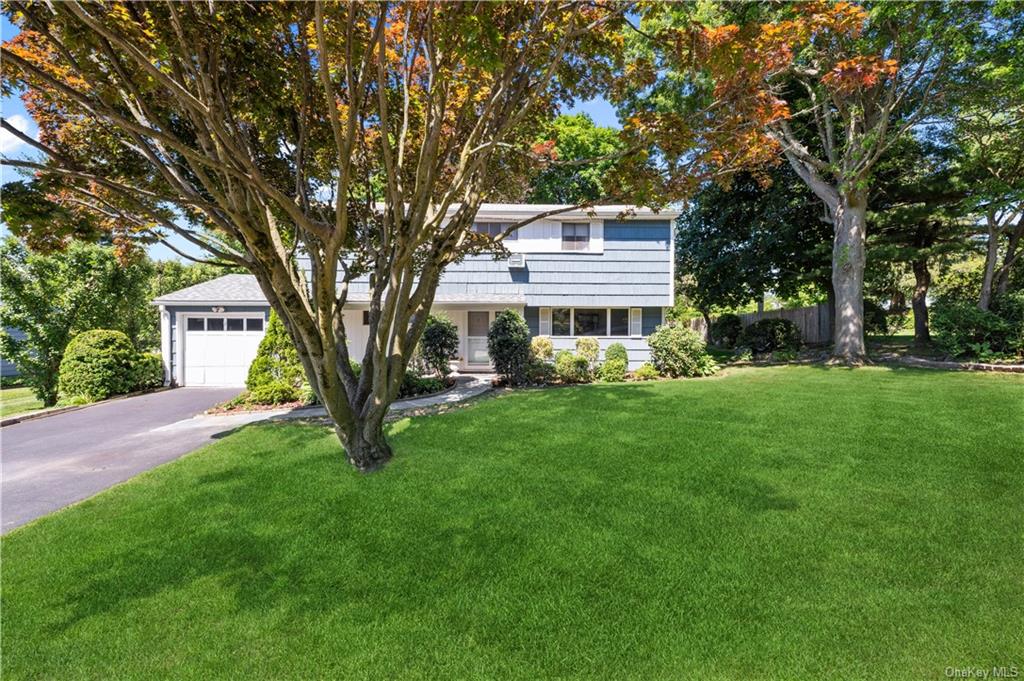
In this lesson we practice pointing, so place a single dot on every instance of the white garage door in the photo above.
(219, 348)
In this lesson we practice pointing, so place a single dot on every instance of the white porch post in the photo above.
(165, 343)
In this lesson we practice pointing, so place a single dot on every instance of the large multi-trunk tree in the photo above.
(361, 136)
(829, 86)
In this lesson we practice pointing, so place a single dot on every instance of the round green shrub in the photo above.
(413, 385)
(612, 371)
(570, 368)
(275, 375)
(646, 372)
(677, 350)
(589, 349)
(769, 335)
(539, 372)
(725, 330)
(274, 392)
(147, 371)
(508, 344)
(439, 344)
(542, 348)
(616, 351)
(96, 365)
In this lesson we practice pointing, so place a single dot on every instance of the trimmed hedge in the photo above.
(612, 371)
(275, 375)
(769, 335)
(439, 344)
(508, 344)
(147, 371)
(96, 365)
(616, 351)
(572, 368)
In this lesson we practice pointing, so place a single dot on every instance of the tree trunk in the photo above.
(990, 269)
(922, 280)
(850, 223)
(366, 448)
(1002, 278)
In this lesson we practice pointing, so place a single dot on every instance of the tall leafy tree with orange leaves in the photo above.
(828, 86)
(360, 136)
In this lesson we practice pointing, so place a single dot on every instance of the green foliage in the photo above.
(726, 330)
(646, 372)
(147, 371)
(616, 351)
(96, 365)
(677, 350)
(508, 343)
(734, 243)
(769, 335)
(413, 385)
(539, 371)
(52, 297)
(275, 375)
(589, 349)
(612, 371)
(542, 348)
(962, 329)
(570, 368)
(576, 139)
(439, 344)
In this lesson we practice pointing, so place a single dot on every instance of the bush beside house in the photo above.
(678, 351)
(508, 344)
(439, 345)
(725, 330)
(100, 363)
(275, 375)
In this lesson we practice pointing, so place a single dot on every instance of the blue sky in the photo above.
(14, 111)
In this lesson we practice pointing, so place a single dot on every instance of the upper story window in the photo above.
(575, 236)
(494, 229)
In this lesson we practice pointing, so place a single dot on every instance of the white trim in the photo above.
(545, 322)
(179, 346)
(165, 343)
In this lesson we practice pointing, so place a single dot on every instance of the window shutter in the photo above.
(545, 321)
(635, 321)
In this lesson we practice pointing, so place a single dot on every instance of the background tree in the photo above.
(362, 136)
(572, 176)
(53, 297)
(735, 243)
(917, 220)
(855, 80)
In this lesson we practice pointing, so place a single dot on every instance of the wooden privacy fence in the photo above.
(812, 321)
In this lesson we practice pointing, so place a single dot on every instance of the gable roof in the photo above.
(237, 289)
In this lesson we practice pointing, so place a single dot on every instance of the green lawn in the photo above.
(14, 401)
(783, 523)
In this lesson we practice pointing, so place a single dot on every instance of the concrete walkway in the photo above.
(466, 386)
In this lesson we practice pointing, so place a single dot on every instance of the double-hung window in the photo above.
(494, 229)
(575, 236)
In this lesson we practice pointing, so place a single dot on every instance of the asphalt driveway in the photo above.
(49, 463)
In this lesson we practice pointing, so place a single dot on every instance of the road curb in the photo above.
(54, 411)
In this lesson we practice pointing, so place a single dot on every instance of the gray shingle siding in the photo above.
(635, 270)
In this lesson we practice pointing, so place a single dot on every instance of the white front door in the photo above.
(219, 348)
(477, 324)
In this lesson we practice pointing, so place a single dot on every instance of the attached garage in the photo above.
(218, 349)
(210, 332)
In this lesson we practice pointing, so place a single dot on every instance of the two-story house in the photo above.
(580, 273)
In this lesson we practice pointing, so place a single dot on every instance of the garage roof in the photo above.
(236, 289)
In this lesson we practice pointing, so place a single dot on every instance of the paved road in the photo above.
(49, 463)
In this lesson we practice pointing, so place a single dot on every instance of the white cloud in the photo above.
(8, 142)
